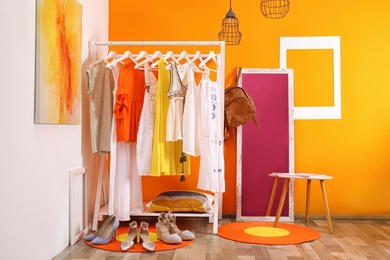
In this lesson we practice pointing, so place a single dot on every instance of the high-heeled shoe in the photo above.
(162, 231)
(99, 231)
(132, 237)
(147, 244)
(185, 235)
(108, 232)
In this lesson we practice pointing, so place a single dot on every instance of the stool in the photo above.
(307, 176)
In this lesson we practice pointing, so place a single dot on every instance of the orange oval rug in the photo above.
(265, 233)
(115, 244)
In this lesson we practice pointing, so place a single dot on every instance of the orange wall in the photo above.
(354, 150)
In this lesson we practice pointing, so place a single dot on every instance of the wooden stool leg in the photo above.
(326, 206)
(271, 199)
(308, 190)
(281, 201)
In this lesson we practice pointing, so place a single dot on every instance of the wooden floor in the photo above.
(352, 239)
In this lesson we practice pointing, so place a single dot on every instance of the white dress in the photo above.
(125, 184)
(192, 116)
(211, 169)
(176, 93)
(146, 127)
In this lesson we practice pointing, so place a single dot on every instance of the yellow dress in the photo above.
(166, 155)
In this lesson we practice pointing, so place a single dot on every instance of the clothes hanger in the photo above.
(197, 56)
(212, 57)
(183, 55)
(157, 54)
(126, 55)
(111, 55)
(142, 55)
(115, 58)
(170, 55)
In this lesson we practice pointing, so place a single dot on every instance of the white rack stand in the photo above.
(101, 210)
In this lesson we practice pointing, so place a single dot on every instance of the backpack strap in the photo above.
(226, 129)
(238, 75)
(226, 132)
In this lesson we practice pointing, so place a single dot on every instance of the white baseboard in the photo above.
(347, 216)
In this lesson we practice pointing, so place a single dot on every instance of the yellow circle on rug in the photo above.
(267, 231)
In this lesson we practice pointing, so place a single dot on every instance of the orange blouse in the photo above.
(128, 102)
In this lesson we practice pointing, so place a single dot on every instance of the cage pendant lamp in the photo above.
(230, 32)
(274, 9)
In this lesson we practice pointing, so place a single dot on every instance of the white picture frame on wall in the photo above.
(316, 43)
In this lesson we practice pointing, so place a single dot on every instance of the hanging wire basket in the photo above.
(230, 29)
(274, 9)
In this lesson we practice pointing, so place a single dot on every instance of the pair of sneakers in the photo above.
(168, 232)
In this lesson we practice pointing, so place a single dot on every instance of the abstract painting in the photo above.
(58, 62)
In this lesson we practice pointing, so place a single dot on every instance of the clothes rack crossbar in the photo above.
(160, 43)
(216, 212)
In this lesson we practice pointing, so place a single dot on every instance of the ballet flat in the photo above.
(108, 233)
(99, 231)
(147, 244)
(162, 231)
(132, 237)
(185, 235)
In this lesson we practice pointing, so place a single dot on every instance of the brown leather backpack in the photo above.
(239, 107)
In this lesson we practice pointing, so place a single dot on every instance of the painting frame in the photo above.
(58, 62)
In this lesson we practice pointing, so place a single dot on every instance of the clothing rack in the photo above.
(221, 44)
(217, 209)
(160, 43)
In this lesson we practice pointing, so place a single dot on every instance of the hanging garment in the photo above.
(211, 168)
(176, 94)
(99, 89)
(125, 184)
(128, 102)
(166, 155)
(192, 127)
(146, 126)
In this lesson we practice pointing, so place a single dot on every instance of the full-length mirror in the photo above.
(267, 149)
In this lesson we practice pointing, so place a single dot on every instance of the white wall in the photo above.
(36, 159)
